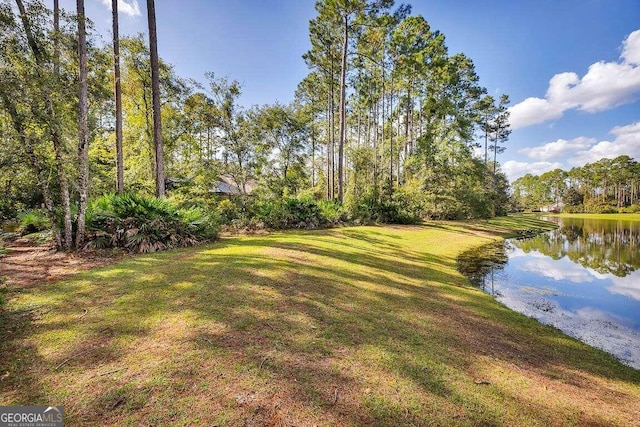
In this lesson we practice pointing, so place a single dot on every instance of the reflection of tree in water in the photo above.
(479, 264)
(571, 232)
(604, 246)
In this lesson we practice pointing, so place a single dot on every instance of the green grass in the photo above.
(612, 216)
(349, 326)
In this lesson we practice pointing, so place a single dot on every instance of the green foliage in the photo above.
(147, 224)
(228, 210)
(400, 209)
(332, 212)
(290, 212)
(32, 221)
(635, 208)
(573, 197)
(597, 206)
(573, 208)
(603, 186)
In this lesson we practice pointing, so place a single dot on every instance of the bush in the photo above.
(291, 212)
(398, 210)
(635, 208)
(32, 221)
(332, 213)
(596, 206)
(573, 209)
(228, 211)
(146, 224)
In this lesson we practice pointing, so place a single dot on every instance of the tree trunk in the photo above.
(383, 115)
(155, 93)
(391, 137)
(56, 37)
(343, 105)
(495, 152)
(83, 129)
(313, 157)
(118, 96)
(332, 130)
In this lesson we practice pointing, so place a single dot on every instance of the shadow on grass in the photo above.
(347, 326)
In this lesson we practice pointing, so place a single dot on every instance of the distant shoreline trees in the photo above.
(608, 185)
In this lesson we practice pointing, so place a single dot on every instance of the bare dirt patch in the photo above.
(28, 263)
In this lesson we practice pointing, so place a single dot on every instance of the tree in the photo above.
(237, 131)
(118, 98)
(342, 14)
(83, 130)
(155, 93)
(572, 197)
(284, 133)
(500, 129)
(486, 108)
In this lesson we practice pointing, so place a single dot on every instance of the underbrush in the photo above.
(599, 207)
(308, 213)
(32, 221)
(147, 224)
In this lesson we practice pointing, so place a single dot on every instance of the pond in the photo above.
(583, 278)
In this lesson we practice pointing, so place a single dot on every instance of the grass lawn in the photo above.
(348, 326)
(615, 216)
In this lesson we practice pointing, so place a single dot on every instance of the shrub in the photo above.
(332, 213)
(291, 212)
(146, 224)
(573, 209)
(32, 221)
(398, 210)
(228, 211)
(635, 208)
(596, 206)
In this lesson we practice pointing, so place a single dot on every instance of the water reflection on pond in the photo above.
(583, 278)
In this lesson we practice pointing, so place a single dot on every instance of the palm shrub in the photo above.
(32, 221)
(292, 212)
(147, 224)
(332, 213)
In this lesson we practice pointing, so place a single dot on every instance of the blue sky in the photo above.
(571, 67)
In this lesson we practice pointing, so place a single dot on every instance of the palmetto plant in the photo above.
(147, 224)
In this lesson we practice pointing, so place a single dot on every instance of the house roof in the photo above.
(227, 185)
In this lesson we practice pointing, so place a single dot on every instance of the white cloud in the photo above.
(631, 48)
(606, 85)
(514, 169)
(628, 285)
(532, 111)
(558, 149)
(627, 141)
(128, 7)
(576, 152)
(561, 270)
(628, 130)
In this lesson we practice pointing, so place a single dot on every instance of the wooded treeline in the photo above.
(393, 113)
(608, 185)
(386, 120)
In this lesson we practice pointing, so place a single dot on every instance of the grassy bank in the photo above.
(349, 326)
(613, 216)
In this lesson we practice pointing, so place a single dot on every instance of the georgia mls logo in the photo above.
(31, 416)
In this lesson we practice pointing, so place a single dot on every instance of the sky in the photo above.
(570, 67)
